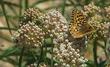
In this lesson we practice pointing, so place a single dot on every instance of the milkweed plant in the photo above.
(43, 39)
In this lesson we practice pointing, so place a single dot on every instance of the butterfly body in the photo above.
(78, 26)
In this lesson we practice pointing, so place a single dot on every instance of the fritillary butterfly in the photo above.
(78, 26)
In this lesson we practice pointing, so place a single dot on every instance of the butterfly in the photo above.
(79, 27)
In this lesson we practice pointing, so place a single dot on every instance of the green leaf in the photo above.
(48, 42)
(38, 2)
(8, 52)
(9, 3)
(102, 64)
(6, 28)
(89, 63)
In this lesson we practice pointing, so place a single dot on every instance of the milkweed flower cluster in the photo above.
(53, 25)
(99, 17)
(67, 55)
(95, 19)
(62, 51)
(91, 8)
(30, 35)
(107, 10)
(100, 20)
(40, 65)
(31, 14)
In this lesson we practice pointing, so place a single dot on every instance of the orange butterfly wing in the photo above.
(78, 26)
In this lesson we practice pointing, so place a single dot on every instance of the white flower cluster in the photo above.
(31, 14)
(55, 26)
(55, 23)
(100, 18)
(107, 9)
(67, 55)
(30, 35)
(91, 8)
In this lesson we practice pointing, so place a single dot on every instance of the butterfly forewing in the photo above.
(78, 25)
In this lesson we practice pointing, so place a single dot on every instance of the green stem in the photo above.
(63, 7)
(34, 56)
(45, 55)
(95, 52)
(21, 57)
(52, 62)
(40, 57)
(6, 18)
(20, 9)
(6, 28)
(26, 4)
(9, 3)
(105, 44)
(38, 2)
(71, 2)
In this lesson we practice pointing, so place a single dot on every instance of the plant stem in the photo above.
(40, 57)
(95, 52)
(20, 9)
(21, 57)
(6, 18)
(63, 7)
(6, 28)
(26, 4)
(52, 62)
